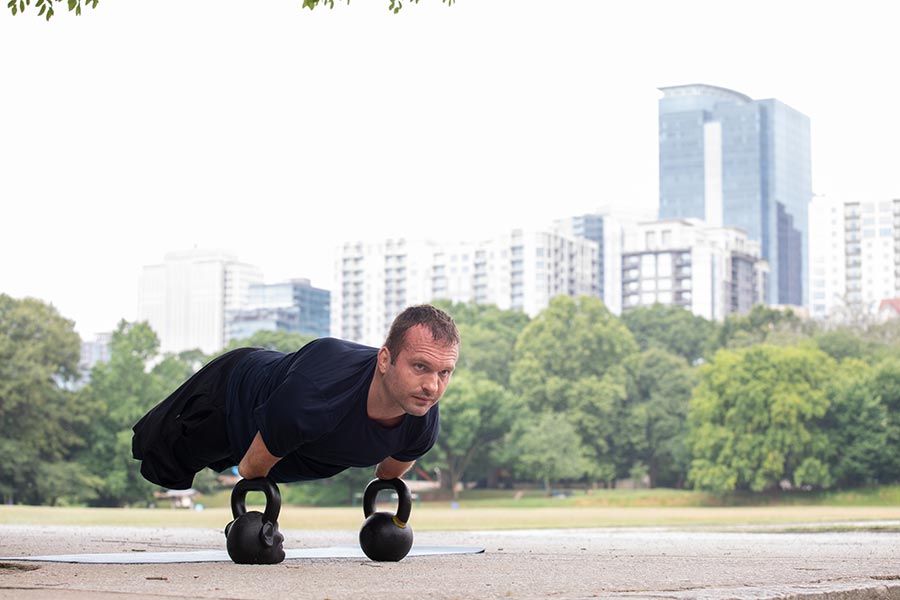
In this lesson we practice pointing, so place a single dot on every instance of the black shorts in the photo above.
(187, 431)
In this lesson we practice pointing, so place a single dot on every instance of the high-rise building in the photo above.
(516, 270)
(608, 232)
(185, 298)
(827, 257)
(737, 162)
(711, 271)
(294, 306)
(855, 256)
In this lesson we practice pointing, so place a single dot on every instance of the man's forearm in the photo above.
(258, 461)
(390, 468)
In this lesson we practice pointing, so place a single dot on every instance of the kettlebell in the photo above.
(385, 536)
(252, 538)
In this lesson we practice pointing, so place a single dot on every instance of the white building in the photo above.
(827, 260)
(854, 254)
(518, 270)
(185, 298)
(375, 281)
(711, 271)
(609, 233)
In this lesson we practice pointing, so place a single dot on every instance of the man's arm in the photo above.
(391, 468)
(258, 460)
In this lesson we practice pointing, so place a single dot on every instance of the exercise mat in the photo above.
(196, 556)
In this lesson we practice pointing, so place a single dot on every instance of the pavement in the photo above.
(852, 561)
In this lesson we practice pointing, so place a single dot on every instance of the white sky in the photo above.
(277, 133)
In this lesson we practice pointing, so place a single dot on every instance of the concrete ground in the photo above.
(852, 561)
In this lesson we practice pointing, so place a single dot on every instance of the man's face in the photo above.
(420, 372)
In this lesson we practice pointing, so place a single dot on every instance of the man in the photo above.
(309, 414)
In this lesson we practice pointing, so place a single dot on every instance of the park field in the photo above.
(877, 508)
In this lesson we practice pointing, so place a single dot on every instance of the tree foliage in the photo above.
(569, 361)
(565, 396)
(476, 415)
(548, 449)
(654, 423)
(671, 328)
(41, 423)
(46, 10)
(120, 392)
(757, 419)
(761, 325)
(488, 337)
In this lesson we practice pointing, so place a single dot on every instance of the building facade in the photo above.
(186, 297)
(855, 256)
(737, 162)
(827, 257)
(608, 232)
(710, 271)
(294, 306)
(518, 270)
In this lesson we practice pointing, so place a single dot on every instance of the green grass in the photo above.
(492, 509)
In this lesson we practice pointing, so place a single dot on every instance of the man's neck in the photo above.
(378, 409)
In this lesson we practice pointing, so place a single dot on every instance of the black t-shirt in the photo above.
(310, 408)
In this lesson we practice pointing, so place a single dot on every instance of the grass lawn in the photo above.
(492, 510)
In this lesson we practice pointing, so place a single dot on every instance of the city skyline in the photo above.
(279, 134)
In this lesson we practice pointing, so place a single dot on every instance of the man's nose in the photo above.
(430, 383)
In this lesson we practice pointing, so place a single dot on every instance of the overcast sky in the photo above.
(277, 133)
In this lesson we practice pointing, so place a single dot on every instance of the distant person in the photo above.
(308, 414)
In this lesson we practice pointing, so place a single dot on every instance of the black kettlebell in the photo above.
(385, 536)
(252, 538)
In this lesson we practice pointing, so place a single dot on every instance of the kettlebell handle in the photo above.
(404, 505)
(259, 484)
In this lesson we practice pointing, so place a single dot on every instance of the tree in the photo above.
(121, 392)
(488, 338)
(856, 424)
(761, 325)
(569, 362)
(655, 420)
(47, 11)
(41, 422)
(547, 449)
(886, 387)
(476, 415)
(756, 419)
(845, 342)
(672, 328)
(570, 340)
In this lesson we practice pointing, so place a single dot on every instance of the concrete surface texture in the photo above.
(849, 562)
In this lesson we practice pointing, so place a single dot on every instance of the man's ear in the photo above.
(384, 359)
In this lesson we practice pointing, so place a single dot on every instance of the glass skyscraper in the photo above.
(737, 162)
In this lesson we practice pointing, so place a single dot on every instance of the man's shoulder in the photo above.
(336, 347)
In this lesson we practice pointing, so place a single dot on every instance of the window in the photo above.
(666, 238)
(650, 241)
(648, 265)
(664, 265)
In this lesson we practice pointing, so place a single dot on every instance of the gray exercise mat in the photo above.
(222, 556)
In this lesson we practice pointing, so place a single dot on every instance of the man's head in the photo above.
(440, 324)
(417, 360)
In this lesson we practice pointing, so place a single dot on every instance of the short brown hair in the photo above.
(441, 325)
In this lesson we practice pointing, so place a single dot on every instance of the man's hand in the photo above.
(391, 468)
(258, 461)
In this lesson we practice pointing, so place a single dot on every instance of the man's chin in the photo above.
(419, 409)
